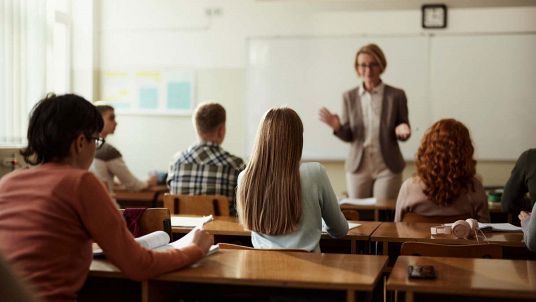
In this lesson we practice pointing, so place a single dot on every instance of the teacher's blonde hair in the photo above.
(269, 193)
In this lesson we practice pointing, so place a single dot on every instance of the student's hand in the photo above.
(523, 216)
(329, 118)
(202, 239)
(152, 181)
(403, 131)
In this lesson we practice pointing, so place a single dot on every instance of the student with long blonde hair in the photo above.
(280, 200)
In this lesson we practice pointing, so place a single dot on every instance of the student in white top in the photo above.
(109, 162)
(279, 200)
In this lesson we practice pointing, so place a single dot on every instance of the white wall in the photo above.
(179, 33)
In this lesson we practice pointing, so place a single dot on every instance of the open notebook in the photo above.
(351, 225)
(185, 221)
(160, 241)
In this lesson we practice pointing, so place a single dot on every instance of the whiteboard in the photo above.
(443, 76)
(489, 83)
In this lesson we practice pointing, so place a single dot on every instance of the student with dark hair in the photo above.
(109, 163)
(280, 200)
(522, 181)
(51, 213)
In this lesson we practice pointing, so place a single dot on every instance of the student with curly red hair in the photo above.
(445, 183)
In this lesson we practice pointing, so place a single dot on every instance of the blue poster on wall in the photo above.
(149, 91)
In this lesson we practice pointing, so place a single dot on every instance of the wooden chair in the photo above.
(351, 214)
(155, 219)
(493, 251)
(217, 205)
(231, 246)
(412, 217)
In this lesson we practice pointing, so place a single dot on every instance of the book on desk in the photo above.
(159, 241)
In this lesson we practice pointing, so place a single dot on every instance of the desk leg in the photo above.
(409, 296)
(385, 248)
(350, 296)
(353, 246)
(145, 291)
(376, 215)
(152, 291)
(385, 289)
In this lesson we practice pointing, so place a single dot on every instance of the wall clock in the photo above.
(434, 16)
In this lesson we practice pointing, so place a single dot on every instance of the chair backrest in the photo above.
(410, 248)
(155, 219)
(412, 217)
(217, 205)
(231, 246)
(351, 214)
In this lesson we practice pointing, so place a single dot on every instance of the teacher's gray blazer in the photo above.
(394, 112)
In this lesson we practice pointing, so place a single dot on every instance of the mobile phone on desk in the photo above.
(421, 272)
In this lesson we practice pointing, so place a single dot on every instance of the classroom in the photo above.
(156, 61)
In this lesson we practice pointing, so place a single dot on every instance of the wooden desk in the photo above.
(229, 226)
(150, 197)
(497, 214)
(254, 268)
(380, 205)
(501, 278)
(495, 209)
(398, 232)
(403, 231)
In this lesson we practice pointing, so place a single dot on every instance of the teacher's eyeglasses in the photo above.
(99, 141)
(371, 65)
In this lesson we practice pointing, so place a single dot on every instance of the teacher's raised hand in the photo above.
(329, 118)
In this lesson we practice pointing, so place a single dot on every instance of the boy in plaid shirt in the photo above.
(205, 168)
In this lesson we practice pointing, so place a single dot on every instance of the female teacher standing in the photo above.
(374, 117)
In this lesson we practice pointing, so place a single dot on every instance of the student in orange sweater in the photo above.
(50, 214)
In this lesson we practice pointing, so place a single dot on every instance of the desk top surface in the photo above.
(272, 268)
(403, 231)
(225, 225)
(465, 276)
(285, 269)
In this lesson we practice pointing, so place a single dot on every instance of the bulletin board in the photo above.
(149, 91)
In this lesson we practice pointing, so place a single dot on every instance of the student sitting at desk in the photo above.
(522, 181)
(445, 184)
(205, 168)
(279, 200)
(51, 213)
(109, 162)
